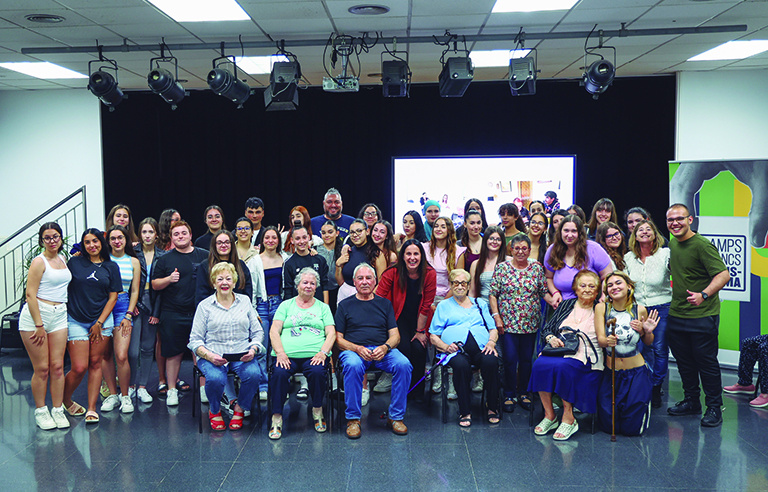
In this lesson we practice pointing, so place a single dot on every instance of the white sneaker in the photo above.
(203, 395)
(366, 397)
(477, 383)
(132, 392)
(263, 396)
(452, 395)
(110, 403)
(437, 379)
(59, 417)
(43, 418)
(126, 404)
(385, 383)
(143, 395)
(173, 397)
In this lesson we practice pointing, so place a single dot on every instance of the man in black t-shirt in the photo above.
(367, 334)
(301, 259)
(173, 277)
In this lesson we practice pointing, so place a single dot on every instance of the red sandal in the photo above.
(237, 421)
(217, 423)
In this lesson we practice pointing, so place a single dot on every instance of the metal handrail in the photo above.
(37, 219)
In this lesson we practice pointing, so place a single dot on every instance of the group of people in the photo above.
(334, 293)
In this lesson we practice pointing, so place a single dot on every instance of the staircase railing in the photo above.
(15, 251)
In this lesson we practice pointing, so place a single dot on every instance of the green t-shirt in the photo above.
(303, 329)
(694, 263)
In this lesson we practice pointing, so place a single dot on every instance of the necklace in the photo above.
(579, 317)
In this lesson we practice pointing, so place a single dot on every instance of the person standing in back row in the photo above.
(698, 274)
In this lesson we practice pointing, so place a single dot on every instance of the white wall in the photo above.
(722, 115)
(50, 145)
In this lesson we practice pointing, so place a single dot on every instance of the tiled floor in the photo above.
(160, 449)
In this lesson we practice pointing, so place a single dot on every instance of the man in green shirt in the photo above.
(698, 274)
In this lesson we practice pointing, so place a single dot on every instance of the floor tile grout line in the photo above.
(469, 457)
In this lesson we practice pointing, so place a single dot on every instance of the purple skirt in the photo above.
(573, 381)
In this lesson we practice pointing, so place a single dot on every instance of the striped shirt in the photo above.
(126, 271)
(226, 331)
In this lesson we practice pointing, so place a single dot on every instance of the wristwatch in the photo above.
(327, 354)
(704, 295)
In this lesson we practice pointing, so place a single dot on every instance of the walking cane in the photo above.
(612, 323)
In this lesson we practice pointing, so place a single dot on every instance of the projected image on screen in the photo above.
(494, 180)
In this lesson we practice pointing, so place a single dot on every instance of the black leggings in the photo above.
(462, 375)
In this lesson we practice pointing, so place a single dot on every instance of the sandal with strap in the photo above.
(76, 410)
(525, 402)
(493, 417)
(465, 421)
(276, 431)
(566, 431)
(545, 426)
(217, 422)
(320, 425)
(162, 389)
(91, 417)
(237, 421)
(182, 386)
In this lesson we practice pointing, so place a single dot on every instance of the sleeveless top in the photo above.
(126, 271)
(485, 285)
(469, 258)
(54, 282)
(627, 338)
(273, 277)
(356, 256)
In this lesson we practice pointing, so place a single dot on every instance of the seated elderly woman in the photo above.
(463, 327)
(302, 335)
(226, 331)
(575, 378)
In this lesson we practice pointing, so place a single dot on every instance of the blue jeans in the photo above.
(266, 310)
(216, 379)
(354, 368)
(657, 354)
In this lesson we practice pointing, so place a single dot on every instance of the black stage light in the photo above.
(599, 77)
(456, 76)
(103, 85)
(522, 76)
(282, 93)
(394, 78)
(223, 83)
(163, 83)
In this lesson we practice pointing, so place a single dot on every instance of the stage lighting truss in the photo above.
(457, 72)
(103, 84)
(282, 93)
(343, 47)
(225, 83)
(164, 83)
(395, 74)
(599, 75)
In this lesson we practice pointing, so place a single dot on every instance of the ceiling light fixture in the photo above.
(202, 10)
(102, 84)
(503, 6)
(599, 75)
(282, 93)
(368, 9)
(45, 18)
(733, 50)
(43, 70)
(164, 83)
(225, 83)
(457, 72)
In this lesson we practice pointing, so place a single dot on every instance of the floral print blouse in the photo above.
(518, 294)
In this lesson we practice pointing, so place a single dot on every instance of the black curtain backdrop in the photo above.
(207, 152)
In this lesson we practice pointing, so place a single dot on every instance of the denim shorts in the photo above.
(121, 308)
(54, 317)
(80, 331)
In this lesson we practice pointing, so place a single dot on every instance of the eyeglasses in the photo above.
(356, 232)
(222, 243)
(51, 239)
(494, 239)
(459, 283)
(522, 249)
(672, 220)
(536, 222)
(371, 214)
(613, 236)
(242, 229)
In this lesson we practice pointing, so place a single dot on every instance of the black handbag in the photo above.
(570, 338)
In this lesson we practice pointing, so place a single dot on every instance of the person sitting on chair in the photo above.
(302, 335)
(367, 334)
(226, 331)
(463, 326)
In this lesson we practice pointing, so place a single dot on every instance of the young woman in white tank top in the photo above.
(43, 325)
